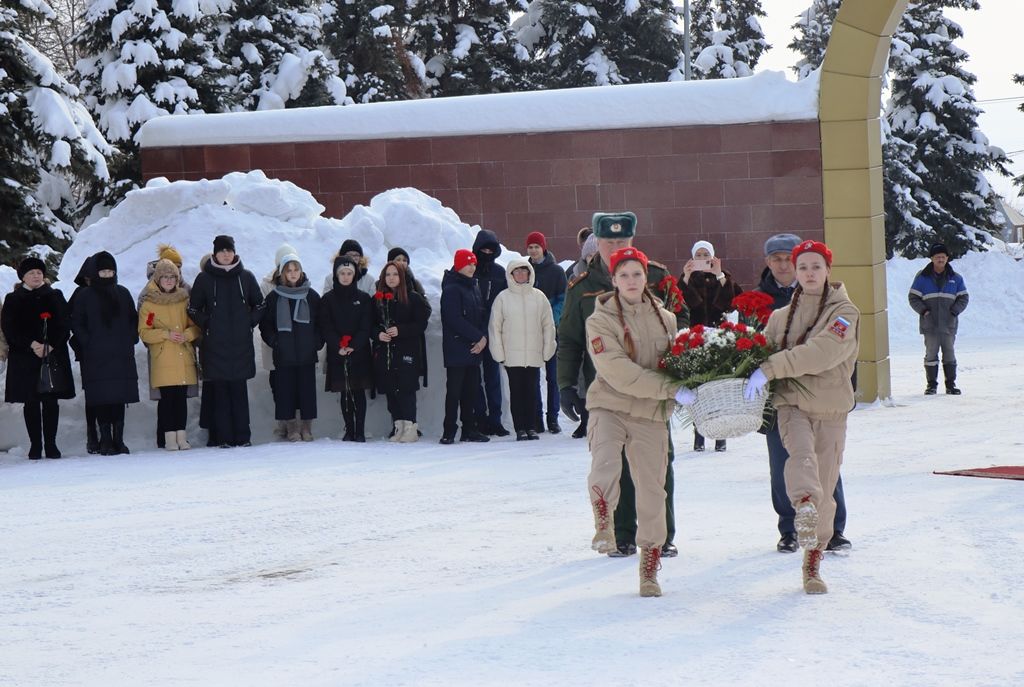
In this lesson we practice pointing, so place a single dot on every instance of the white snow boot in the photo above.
(182, 437)
(171, 441)
(410, 434)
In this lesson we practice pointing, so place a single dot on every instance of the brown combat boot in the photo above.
(650, 561)
(813, 584)
(604, 537)
(806, 523)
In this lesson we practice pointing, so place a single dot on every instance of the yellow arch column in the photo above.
(851, 154)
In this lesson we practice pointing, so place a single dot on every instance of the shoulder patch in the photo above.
(597, 345)
(839, 327)
(657, 264)
(577, 279)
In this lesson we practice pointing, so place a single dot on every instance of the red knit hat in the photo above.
(813, 247)
(538, 238)
(628, 253)
(463, 257)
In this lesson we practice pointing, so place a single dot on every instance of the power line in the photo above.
(1000, 100)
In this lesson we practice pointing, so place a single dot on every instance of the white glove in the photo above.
(685, 397)
(755, 385)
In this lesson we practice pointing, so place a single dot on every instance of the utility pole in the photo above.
(687, 69)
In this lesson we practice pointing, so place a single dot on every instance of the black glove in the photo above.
(571, 403)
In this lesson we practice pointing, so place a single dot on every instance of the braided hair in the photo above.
(797, 292)
(628, 337)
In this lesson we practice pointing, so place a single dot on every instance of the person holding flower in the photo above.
(106, 325)
(400, 318)
(708, 290)
(346, 317)
(169, 335)
(629, 404)
(35, 322)
(817, 339)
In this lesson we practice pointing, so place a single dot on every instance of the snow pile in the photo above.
(8, 278)
(766, 96)
(261, 214)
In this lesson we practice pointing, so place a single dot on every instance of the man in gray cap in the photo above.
(778, 280)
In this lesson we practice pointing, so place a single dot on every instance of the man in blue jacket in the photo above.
(939, 295)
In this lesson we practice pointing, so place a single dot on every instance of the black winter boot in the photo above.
(92, 435)
(698, 442)
(949, 371)
(34, 427)
(931, 374)
(118, 439)
(51, 413)
(553, 426)
(350, 424)
(106, 440)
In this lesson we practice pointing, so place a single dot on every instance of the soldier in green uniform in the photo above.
(613, 231)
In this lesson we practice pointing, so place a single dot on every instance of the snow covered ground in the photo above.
(339, 564)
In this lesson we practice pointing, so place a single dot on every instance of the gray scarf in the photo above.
(300, 312)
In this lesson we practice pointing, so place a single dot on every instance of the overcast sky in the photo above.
(991, 36)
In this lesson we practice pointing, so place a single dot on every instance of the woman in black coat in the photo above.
(291, 328)
(85, 275)
(106, 326)
(34, 307)
(346, 319)
(400, 318)
(226, 303)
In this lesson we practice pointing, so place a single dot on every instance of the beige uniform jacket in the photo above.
(521, 331)
(170, 364)
(824, 363)
(622, 385)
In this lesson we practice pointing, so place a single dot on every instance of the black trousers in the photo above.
(402, 405)
(41, 414)
(522, 396)
(229, 415)
(461, 390)
(171, 409)
(295, 390)
(110, 413)
(353, 408)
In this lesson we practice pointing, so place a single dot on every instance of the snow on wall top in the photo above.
(766, 96)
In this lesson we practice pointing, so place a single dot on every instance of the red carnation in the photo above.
(345, 341)
(45, 316)
(389, 296)
(677, 349)
(760, 340)
(149, 319)
(742, 328)
(697, 329)
(696, 341)
(744, 344)
(379, 295)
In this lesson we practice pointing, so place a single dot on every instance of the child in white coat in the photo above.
(521, 333)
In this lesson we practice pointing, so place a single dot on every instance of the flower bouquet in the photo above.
(716, 361)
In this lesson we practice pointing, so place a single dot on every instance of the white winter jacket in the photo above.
(521, 332)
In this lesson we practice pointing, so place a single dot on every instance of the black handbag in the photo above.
(53, 378)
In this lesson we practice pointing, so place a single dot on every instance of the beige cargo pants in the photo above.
(646, 445)
(815, 449)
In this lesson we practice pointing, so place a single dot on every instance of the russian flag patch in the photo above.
(839, 327)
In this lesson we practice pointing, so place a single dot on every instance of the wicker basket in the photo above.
(721, 412)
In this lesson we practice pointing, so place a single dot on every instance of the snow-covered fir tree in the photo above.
(468, 47)
(940, 159)
(272, 51)
(726, 39)
(813, 29)
(52, 150)
(603, 42)
(142, 59)
(366, 38)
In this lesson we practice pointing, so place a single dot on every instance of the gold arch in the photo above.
(851, 154)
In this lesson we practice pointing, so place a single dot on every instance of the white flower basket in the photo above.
(721, 412)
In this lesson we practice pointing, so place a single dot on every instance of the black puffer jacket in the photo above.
(781, 294)
(347, 311)
(397, 365)
(226, 304)
(22, 325)
(490, 276)
(106, 325)
(462, 319)
(300, 345)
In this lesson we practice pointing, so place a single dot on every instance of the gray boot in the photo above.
(949, 371)
(931, 375)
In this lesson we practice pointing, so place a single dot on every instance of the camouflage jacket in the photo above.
(580, 299)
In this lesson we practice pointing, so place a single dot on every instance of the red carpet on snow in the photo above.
(1002, 472)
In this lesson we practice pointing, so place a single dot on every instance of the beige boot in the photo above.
(410, 434)
(806, 523)
(399, 431)
(650, 561)
(294, 432)
(281, 429)
(171, 441)
(306, 430)
(182, 437)
(604, 537)
(813, 584)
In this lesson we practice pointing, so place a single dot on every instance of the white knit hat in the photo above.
(702, 244)
(283, 250)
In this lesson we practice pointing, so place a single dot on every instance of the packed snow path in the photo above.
(376, 564)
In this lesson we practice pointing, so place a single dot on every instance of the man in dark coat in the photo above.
(778, 280)
(106, 326)
(227, 303)
(34, 307)
(612, 231)
(549, 277)
(491, 280)
(939, 295)
(463, 339)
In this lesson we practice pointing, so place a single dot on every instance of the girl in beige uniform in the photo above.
(817, 335)
(629, 404)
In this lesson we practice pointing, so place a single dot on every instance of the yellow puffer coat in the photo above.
(170, 363)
